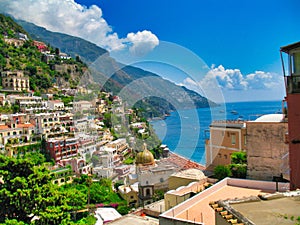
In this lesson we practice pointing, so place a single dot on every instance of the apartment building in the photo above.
(15, 81)
(62, 148)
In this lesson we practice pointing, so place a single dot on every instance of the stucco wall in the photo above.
(222, 144)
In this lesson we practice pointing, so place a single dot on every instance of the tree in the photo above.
(27, 191)
(15, 108)
(239, 158)
(221, 172)
(238, 166)
(35, 157)
(15, 191)
(57, 51)
(13, 222)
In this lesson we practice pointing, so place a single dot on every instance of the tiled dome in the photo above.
(144, 158)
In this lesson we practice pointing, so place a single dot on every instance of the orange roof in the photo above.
(184, 163)
(3, 127)
(24, 125)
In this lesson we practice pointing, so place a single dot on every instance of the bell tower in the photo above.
(292, 84)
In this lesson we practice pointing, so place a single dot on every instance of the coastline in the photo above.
(169, 130)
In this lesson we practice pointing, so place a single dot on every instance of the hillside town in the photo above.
(88, 136)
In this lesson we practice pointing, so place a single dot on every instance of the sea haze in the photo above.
(185, 131)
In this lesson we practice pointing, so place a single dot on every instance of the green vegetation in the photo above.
(9, 27)
(27, 58)
(158, 195)
(26, 191)
(239, 158)
(220, 172)
(237, 169)
(129, 160)
(292, 218)
(98, 192)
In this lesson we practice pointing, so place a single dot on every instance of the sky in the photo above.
(238, 41)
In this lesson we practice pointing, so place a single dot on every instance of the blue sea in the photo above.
(185, 131)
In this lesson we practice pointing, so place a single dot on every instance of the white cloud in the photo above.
(69, 17)
(142, 42)
(233, 79)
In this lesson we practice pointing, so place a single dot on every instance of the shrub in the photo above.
(221, 172)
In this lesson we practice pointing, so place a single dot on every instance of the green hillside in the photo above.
(26, 57)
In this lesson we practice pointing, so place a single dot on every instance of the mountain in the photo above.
(74, 46)
(138, 87)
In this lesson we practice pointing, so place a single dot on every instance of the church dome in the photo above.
(144, 158)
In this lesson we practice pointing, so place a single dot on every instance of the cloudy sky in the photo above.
(239, 41)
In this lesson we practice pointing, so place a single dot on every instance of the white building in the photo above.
(105, 215)
(55, 105)
(81, 106)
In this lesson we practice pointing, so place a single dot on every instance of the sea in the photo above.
(185, 131)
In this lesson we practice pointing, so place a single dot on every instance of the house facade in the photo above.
(15, 81)
(226, 137)
(62, 148)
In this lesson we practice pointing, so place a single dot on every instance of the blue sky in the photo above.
(236, 34)
(238, 40)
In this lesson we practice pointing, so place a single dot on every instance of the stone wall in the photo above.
(266, 148)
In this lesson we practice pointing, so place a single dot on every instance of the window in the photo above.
(233, 139)
(161, 180)
(147, 191)
(245, 139)
(225, 156)
(295, 62)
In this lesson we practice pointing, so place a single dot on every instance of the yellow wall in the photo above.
(176, 182)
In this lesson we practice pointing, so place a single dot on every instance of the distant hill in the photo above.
(74, 46)
(138, 87)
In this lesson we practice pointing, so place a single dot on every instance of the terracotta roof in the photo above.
(24, 125)
(3, 127)
(184, 163)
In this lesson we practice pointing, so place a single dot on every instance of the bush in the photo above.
(238, 170)
(221, 172)
(123, 209)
